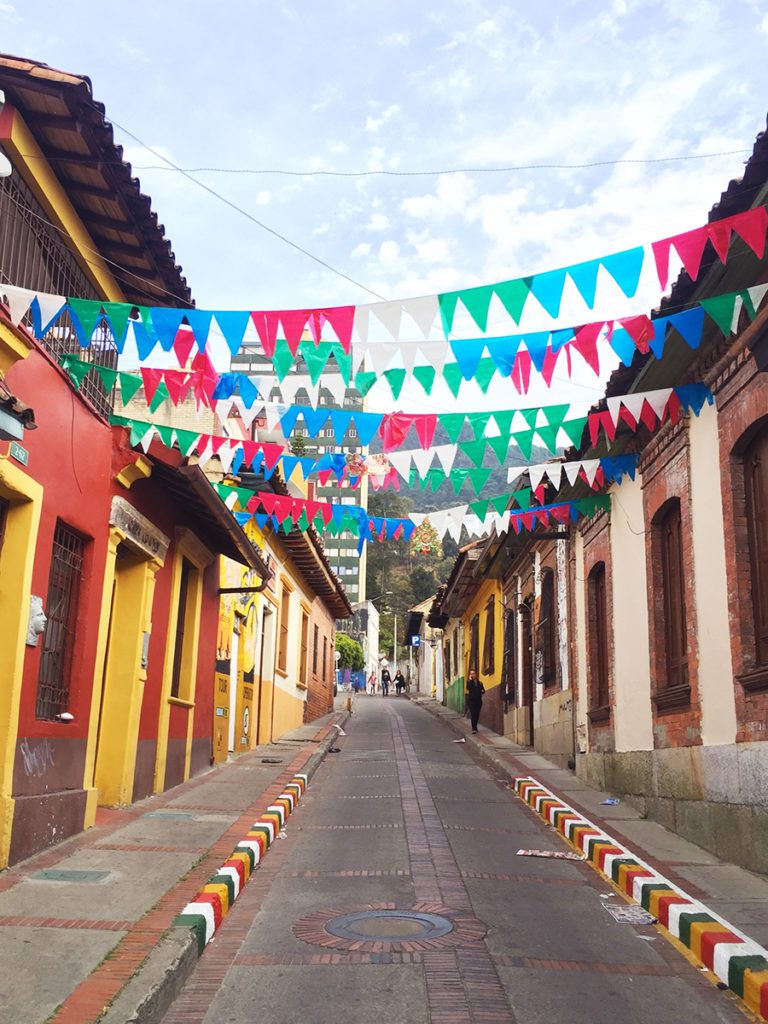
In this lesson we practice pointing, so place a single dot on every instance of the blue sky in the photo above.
(351, 86)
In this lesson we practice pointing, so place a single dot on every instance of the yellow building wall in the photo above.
(477, 606)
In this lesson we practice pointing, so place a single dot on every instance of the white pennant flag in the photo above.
(634, 404)
(19, 300)
(146, 439)
(205, 455)
(446, 454)
(536, 474)
(389, 314)
(337, 387)
(475, 526)
(246, 415)
(417, 517)
(614, 406)
(381, 355)
(757, 294)
(422, 460)
(402, 462)
(289, 387)
(515, 472)
(424, 311)
(658, 400)
(572, 470)
(49, 305)
(555, 473)
(226, 454)
(590, 467)
(435, 353)
(409, 351)
(273, 413)
(359, 350)
(361, 322)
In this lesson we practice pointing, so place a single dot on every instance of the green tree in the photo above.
(351, 652)
(298, 445)
(423, 583)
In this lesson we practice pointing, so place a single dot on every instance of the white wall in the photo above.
(580, 639)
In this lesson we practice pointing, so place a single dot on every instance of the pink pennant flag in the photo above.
(151, 379)
(640, 331)
(316, 320)
(283, 506)
(267, 499)
(323, 478)
(425, 424)
(690, 249)
(661, 255)
(272, 453)
(250, 450)
(719, 233)
(294, 323)
(521, 371)
(178, 383)
(549, 365)
(266, 324)
(182, 345)
(751, 226)
(342, 320)
(394, 428)
(585, 343)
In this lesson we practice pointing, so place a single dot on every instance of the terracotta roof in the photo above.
(71, 129)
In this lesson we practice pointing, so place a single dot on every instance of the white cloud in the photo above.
(6, 8)
(321, 229)
(361, 249)
(373, 124)
(263, 198)
(763, 26)
(378, 222)
(397, 39)
(338, 147)
(451, 196)
(389, 251)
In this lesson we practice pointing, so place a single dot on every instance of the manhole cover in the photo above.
(61, 875)
(389, 925)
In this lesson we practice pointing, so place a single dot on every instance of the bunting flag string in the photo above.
(159, 326)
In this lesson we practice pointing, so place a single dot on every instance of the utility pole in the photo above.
(394, 641)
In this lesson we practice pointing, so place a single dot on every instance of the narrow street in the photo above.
(403, 819)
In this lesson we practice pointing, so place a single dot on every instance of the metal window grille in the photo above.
(34, 255)
(181, 616)
(53, 683)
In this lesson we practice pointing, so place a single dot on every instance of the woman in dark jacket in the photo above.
(475, 691)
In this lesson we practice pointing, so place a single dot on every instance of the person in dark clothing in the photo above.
(385, 679)
(475, 691)
(399, 682)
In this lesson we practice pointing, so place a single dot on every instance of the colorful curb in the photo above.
(737, 960)
(214, 901)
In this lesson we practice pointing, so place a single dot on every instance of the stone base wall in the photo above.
(553, 727)
(715, 796)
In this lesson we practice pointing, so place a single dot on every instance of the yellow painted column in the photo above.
(16, 561)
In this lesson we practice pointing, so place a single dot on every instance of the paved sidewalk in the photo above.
(734, 893)
(79, 920)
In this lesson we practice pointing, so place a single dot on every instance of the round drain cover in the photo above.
(389, 926)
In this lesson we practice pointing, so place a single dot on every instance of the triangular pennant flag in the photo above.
(447, 306)
(425, 375)
(294, 323)
(107, 375)
(524, 441)
(151, 379)
(446, 455)
(503, 352)
(690, 248)
(522, 497)
(367, 423)
(452, 423)
(388, 314)
(362, 315)
(165, 434)
(484, 374)
(395, 378)
(548, 436)
(267, 324)
(200, 322)
(500, 446)
(625, 268)
(513, 296)
(424, 311)
(548, 289)
(661, 256)
(282, 360)
(85, 314)
(77, 370)
(422, 460)
(555, 414)
(129, 385)
(721, 309)
(689, 324)
(453, 378)
(585, 343)
(19, 301)
(381, 354)
(457, 478)
(233, 323)
(425, 425)
(536, 343)
(658, 400)
(316, 358)
(478, 421)
(166, 322)
(186, 440)
(434, 353)
(693, 396)
(364, 381)
(474, 450)
(572, 471)
(479, 507)
(750, 226)
(289, 418)
(500, 503)
(45, 309)
(756, 294)
(161, 395)
(584, 276)
(479, 477)
(340, 420)
(315, 419)
(342, 320)
(468, 353)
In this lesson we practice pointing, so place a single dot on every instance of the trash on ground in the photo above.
(611, 801)
(632, 914)
(554, 854)
(722, 986)
(335, 750)
(282, 834)
(271, 760)
(462, 740)
(650, 938)
(607, 895)
(340, 730)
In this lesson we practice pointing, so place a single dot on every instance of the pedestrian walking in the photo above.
(475, 691)
(385, 681)
(399, 682)
(372, 682)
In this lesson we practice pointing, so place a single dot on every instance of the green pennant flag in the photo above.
(484, 374)
(395, 378)
(343, 360)
(364, 381)
(500, 446)
(474, 450)
(478, 421)
(186, 440)
(479, 507)
(522, 497)
(120, 421)
(129, 385)
(530, 416)
(513, 296)
(720, 309)
(161, 395)
(452, 423)
(574, 429)
(316, 357)
(425, 375)
(437, 481)
(107, 375)
(447, 303)
(282, 359)
(555, 414)
(166, 435)
(243, 496)
(118, 314)
(303, 522)
(746, 298)
(452, 377)
(524, 441)
(77, 370)
(500, 502)
(457, 478)
(548, 437)
(88, 312)
(138, 432)
(319, 523)
(479, 477)
(503, 420)
(287, 524)
(477, 302)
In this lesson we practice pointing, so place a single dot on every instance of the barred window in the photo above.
(756, 486)
(598, 636)
(671, 581)
(547, 632)
(53, 681)
(474, 642)
(489, 638)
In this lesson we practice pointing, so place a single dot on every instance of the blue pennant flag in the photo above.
(290, 462)
(537, 344)
(261, 519)
(560, 338)
(340, 420)
(248, 390)
(468, 353)
(408, 527)
(225, 387)
(616, 466)
(367, 424)
(584, 276)
(307, 466)
(145, 341)
(165, 323)
(288, 419)
(324, 462)
(659, 336)
(689, 324)
(244, 517)
(315, 419)
(693, 396)
(625, 268)
(233, 323)
(548, 289)
(623, 345)
(503, 352)
(237, 461)
(200, 322)
(393, 526)
(39, 328)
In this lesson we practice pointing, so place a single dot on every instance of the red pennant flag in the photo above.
(599, 480)
(323, 478)
(596, 420)
(516, 524)
(561, 513)
(585, 343)
(719, 232)
(672, 409)
(639, 329)
(250, 450)
(266, 325)
(182, 345)
(151, 380)
(425, 424)
(627, 417)
(527, 520)
(294, 322)
(539, 492)
(521, 371)
(690, 249)
(394, 428)
(342, 320)
(326, 512)
(267, 499)
(283, 506)
(316, 320)
(216, 442)
(648, 416)
(751, 226)
(550, 363)
(272, 453)
(661, 255)
(178, 383)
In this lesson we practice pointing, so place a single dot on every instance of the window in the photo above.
(474, 641)
(547, 632)
(315, 642)
(183, 671)
(489, 638)
(756, 487)
(325, 658)
(4, 506)
(674, 635)
(447, 660)
(456, 652)
(53, 680)
(509, 666)
(597, 611)
(282, 647)
(304, 648)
